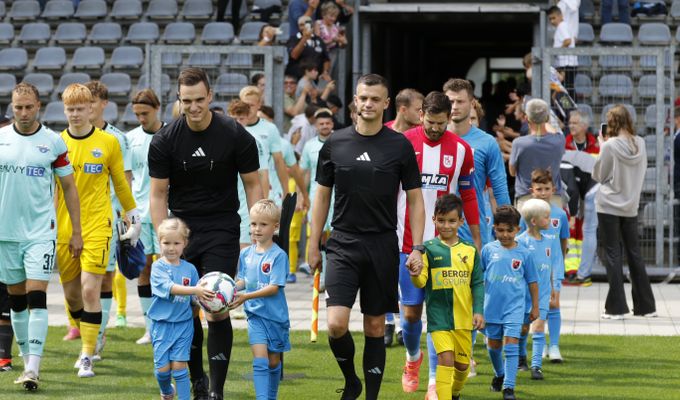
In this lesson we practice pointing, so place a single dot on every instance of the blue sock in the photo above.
(182, 383)
(538, 339)
(554, 326)
(261, 377)
(411, 332)
(20, 326)
(274, 379)
(511, 360)
(164, 381)
(523, 345)
(106, 309)
(432, 356)
(146, 303)
(496, 356)
(389, 318)
(37, 331)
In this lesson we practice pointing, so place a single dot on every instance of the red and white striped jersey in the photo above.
(446, 166)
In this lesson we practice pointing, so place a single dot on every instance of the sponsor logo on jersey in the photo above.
(447, 160)
(186, 281)
(266, 268)
(35, 171)
(434, 181)
(555, 222)
(438, 258)
(93, 168)
(96, 153)
(42, 148)
(516, 264)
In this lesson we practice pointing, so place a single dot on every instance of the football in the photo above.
(223, 286)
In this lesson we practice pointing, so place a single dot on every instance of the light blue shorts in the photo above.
(32, 259)
(557, 285)
(498, 331)
(171, 341)
(542, 314)
(409, 294)
(265, 331)
(149, 240)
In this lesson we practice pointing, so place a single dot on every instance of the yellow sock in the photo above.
(444, 377)
(88, 334)
(459, 379)
(120, 293)
(293, 256)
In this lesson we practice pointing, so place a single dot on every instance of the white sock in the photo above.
(33, 364)
(414, 358)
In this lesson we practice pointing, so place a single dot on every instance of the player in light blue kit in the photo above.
(145, 105)
(508, 270)
(543, 249)
(31, 155)
(261, 278)
(173, 282)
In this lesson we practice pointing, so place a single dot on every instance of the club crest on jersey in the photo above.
(447, 161)
(96, 153)
(42, 148)
(463, 259)
(266, 268)
(555, 222)
(186, 281)
(516, 264)
(434, 181)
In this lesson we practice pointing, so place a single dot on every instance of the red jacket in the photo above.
(592, 147)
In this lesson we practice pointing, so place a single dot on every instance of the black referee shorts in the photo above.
(211, 249)
(365, 263)
(4, 303)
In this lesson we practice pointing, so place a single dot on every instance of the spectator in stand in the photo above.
(569, 10)
(539, 149)
(259, 80)
(346, 10)
(292, 104)
(310, 73)
(268, 35)
(505, 135)
(307, 46)
(334, 104)
(328, 29)
(408, 104)
(564, 38)
(235, 12)
(579, 138)
(299, 8)
(620, 169)
(606, 12)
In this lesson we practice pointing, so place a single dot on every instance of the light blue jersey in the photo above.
(165, 306)
(559, 229)
(289, 159)
(259, 270)
(27, 167)
(488, 166)
(243, 212)
(139, 141)
(543, 253)
(127, 164)
(308, 162)
(507, 272)
(272, 142)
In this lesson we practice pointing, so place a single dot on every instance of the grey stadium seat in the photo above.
(143, 83)
(217, 33)
(167, 114)
(143, 32)
(630, 108)
(197, 9)
(617, 61)
(583, 85)
(675, 10)
(204, 60)
(126, 9)
(35, 33)
(111, 112)
(127, 57)
(54, 114)
(179, 33)
(70, 33)
(50, 58)
(24, 10)
(239, 61)
(91, 9)
(250, 32)
(616, 32)
(649, 62)
(654, 33)
(88, 58)
(229, 84)
(650, 116)
(58, 9)
(6, 33)
(7, 83)
(12, 59)
(616, 85)
(106, 33)
(647, 86)
(171, 60)
(42, 81)
(162, 10)
(118, 83)
(69, 78)
(585, 33)
(128, 117)
(3, 9)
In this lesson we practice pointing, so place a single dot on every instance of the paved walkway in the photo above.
(581, 309)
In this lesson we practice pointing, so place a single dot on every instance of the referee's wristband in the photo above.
(418, 247)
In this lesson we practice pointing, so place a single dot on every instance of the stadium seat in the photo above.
(91, 10)
(13, 59)
(167, 114)
(204, 60)
(126, 10)
(69, 78)
(50, 58)
(675, 10)
(583, 85)
(3, 9)
(54, 114)
(143, 32)
(179, 33)
(229, 84)
(143, 83)
(585, 33)
(7, 83)
(649, 184)
(111, 112)
(89, 58)
(587, 10)
(58, 9)
(242, 12)
(24, 10)
(265, 4)
(616, 32)
(34, 34)
(239, 61)
(42, 81)
(217, 33)
(129, 119)
(650, 116)
(196, 10)
(585, 108)
(162, 10)
(649, 211)
(654, 33)
(106, 33)
(647, 86)
(6, 33)
(70, 33)
(649, 62)
(118, 83)
(285, 33)
(616, 85)
(630, 108)
(127, 57)
(250, 32)
(616, 62)
(171, 60)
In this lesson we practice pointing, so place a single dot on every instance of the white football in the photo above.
(223, 286)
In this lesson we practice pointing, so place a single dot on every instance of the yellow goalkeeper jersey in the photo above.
(95, 157)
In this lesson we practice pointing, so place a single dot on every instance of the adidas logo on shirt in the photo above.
(198, 153)
(364, 157)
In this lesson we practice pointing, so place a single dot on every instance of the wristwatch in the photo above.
(418, 247)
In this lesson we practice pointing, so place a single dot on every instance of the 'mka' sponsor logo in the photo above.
(434, 181)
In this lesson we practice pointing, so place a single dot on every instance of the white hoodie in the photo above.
(620, 169)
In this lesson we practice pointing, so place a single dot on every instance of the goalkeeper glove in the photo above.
(135, 229)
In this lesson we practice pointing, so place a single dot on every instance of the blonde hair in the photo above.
(176, 110)
(267, 208)
(173, 225)
(534, 208)
(248, 91)
(76, 93)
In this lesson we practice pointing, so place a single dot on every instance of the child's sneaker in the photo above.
(121, 321)
(145, 339)
(291, 278)
(536, 374)
(555, 356)
(410, 378)
(5, 364)
(612, 316)
(29, 380)
(431, 392)
(584, 282)
(170, 396)
(509, 394)
(522, 364)
(497, 383)
(72, 334)
(305, 269)
(85, 370)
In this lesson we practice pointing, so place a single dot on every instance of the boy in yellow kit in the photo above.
(96, 157)
(454, 296)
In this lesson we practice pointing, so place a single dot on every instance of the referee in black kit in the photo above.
(365, 164)
(194, 163)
